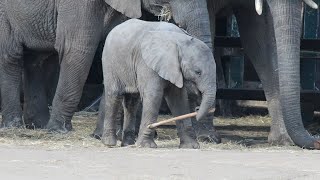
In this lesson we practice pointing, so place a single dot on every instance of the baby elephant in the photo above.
(152, 60)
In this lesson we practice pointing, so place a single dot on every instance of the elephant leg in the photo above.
(76, 42)
(100, 122)
(119, 123)
(150, 109)
(257, 38)
(130, 106)
(11, 53)
(177, 100)
(112, 105)
(35, 110)
(138, 119)
(204, 129)
(73, 73)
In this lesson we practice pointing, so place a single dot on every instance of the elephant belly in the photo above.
(38, 44)
(122, 76)
(128, 83)
(34, 21)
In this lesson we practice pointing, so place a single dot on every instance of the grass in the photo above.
(247, 133)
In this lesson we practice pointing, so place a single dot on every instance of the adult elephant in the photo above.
(270, 33)
(31, 32)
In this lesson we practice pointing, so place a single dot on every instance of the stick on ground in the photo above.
(178, 118)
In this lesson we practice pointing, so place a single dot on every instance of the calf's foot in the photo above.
(189, 143)
(146, 143)
(206, 132)
(276, 137)
(146, 138)
(128, 138)
(188, 139)
(57, 127)
(109, 138)
(209, 136)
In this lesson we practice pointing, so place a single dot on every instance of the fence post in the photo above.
(308, 63)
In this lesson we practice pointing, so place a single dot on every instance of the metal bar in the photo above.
(258, 94)
(234, 42)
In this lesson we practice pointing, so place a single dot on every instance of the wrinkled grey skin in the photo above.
(192, 16)
(30, 32)
(69, 32)
(272, 42)
(154, 60)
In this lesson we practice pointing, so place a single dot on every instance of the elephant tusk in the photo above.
(259, 6)
(311, 3)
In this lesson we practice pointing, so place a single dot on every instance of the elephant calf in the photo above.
(153, 60)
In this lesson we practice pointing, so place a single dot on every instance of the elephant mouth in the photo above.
(192, 88)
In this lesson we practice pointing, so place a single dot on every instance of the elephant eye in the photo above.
(198, 72)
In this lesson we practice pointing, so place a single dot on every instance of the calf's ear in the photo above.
(160, 52)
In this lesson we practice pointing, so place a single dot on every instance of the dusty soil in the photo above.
(244, 154)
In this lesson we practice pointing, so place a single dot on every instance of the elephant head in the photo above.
(285, 18)
(191, 15)
(182, 59)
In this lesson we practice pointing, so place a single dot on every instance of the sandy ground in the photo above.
(244, 154)
(128, 163)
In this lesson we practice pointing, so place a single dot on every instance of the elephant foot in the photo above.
(57, 127)
(68, 126)
(209, 136)
(15, 122)
(146, 143)
(128, 138)
(188, 143)
(277, 138)
(97, 134)
(35, 124)
(188, 139)
(206, 132)
(109, 138)
(35, 119)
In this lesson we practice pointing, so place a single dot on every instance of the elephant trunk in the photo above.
(208, 101)
(287, 37)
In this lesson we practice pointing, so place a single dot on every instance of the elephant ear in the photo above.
(130, 8)
(161, 53)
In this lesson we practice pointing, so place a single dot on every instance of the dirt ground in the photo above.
(243, 154)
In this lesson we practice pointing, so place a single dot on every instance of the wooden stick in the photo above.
(178, 118)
